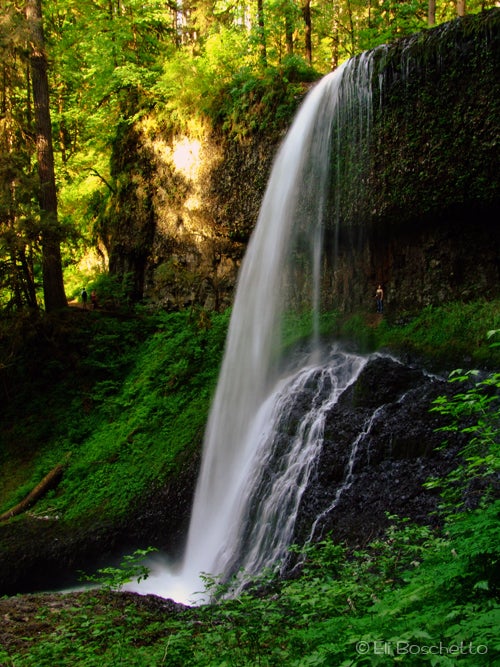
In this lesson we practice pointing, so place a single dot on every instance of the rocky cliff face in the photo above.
(183, 212)
(424, 220)
(381, 445)
(201, 236)
(451, 256)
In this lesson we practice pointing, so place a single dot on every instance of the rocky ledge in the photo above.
(381, 445)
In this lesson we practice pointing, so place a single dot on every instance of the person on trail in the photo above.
(93, 299)
(84, 297)
(379, 297)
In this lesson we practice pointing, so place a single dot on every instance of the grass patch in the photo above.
(449, 335)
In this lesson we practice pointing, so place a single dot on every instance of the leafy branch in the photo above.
(130, 569)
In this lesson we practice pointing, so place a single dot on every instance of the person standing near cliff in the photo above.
(379, 297)
(84, 296)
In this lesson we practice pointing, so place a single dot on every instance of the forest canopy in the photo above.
(74, 72)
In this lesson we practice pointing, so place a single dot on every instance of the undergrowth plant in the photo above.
(131, 568)
(443, 335)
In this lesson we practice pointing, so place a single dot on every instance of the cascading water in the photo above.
(283, 447)
(255, 465)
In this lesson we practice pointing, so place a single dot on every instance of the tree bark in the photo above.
(48, 482)
(335, 43)
(262, 31)
(306, 13)
(351, 28)
(53, 285)
(431, 13)
(288, 33)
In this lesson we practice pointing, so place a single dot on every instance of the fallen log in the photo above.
(50, 481)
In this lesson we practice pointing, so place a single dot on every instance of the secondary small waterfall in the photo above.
(255, 464)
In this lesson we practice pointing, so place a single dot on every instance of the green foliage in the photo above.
(131, 569)
(476, 413)
(298, 327)
(113, 291)
(417, 596)
(129, 395)
(401, 20)
(440, 335)
(261, 101)
(225, 86)
(117, 636)
(129, 401)
(179, 66)
(390, 601)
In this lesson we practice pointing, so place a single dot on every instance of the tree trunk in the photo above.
(262, 32)
(351, 28)
(431, 13)
(306, 13)
(48, 482)
(288, 33)
(28, 280)
(53, 285)
(461, 9)
(335, 43)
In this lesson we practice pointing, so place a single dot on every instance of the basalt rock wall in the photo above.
(424, 221)
(453, 256)
(381, 444)
(183, 210)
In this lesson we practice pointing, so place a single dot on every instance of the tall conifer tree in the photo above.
(53, 285)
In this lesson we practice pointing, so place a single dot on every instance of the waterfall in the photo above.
(281, 447)
(255, 463)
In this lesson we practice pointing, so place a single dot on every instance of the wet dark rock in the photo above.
(382, 381)
(380, 447)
